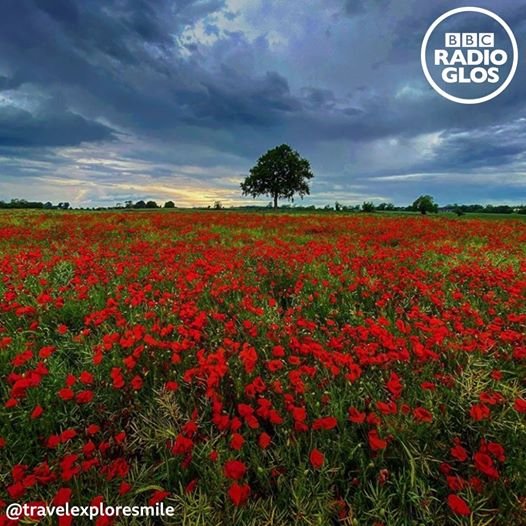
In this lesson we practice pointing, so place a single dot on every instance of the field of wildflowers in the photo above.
(264, 369)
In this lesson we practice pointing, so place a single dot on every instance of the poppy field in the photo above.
(264, 369)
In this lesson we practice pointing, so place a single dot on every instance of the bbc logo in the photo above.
(484, 40)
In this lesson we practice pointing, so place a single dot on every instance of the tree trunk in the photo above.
(275, 200)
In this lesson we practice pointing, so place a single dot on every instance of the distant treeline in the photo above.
(338, 207)
(22, 203)
(456, 208)
(488, 209)
(145, 204)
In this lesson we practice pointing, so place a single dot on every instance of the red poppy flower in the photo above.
(86, 378)
(16, 490)
(158, 496)
(459, 453)
(37, 412)
(66, 393)
(299, 414)
(496, 375)
(84, 397)
(191, 486)
(239, 493)
(182, 445)
(67, 434)
(356, 416)
(117, 378)
(171, 386)
(88, 448)
(497, 450)
(387, 408)
(124, 488)
(264, 440)
(484, 464)
(458, 505)
(520, 405)
(234, 469)
(278, 351)
(92, 429)
(237, 441)
(394, 385)
(476, 484)
(62, 496)
(316, 458)
(53, 441)
(455, 483)
(422, 415)
(375, 442)
(479, 412)
(137, 382)
(327, 423)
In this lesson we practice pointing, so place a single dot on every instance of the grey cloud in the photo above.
(24, 129)
(129, 67)
(484, 148)
(358, 7)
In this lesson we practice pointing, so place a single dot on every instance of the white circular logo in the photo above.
(470, 67)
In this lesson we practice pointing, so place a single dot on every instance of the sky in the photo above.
(103, 101)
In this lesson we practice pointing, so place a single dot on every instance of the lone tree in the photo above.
(425, 204)
(368, 206)
(280, 173)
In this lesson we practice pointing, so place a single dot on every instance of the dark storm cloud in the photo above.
(343, 72)
(259, 103)
(484, 148)
(63, 11)
(24, 129)
(121, 60)
(358, 7)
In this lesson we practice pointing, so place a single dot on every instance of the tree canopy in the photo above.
(424, 204)
(281, 173)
